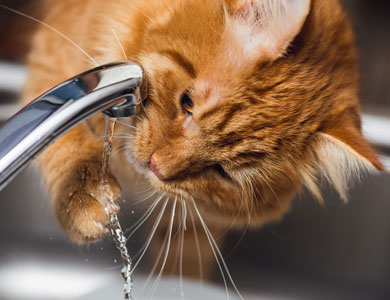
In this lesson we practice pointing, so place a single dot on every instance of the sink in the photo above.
(34, 277)
(337, 252)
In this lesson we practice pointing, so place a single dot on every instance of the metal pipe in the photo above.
(114, 89)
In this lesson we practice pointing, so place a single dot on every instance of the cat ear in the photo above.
(267, 26)
(343, 154)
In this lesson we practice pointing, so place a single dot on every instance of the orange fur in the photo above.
(260, 116)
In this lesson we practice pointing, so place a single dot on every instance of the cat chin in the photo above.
(171, 188)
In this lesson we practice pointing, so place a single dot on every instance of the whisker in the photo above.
(212, 249)
(155, 285)
(125, 124)
(185, 213)
(117, 151)
(124, 134)
(183, 228)
(156, 262)
(86, 60)
(143, 13)
(144, 217)
(123, 137)
(178, 235)
(246, 184)
(250, 212)
(51, 28)
(270, 188)
(197, 250)
(233, 222)
(119, 42)
(119, 135)
(147, 197)
(137, 117)
(239, 240)
(149, 187)
(146, 113)
(245, 229)
(155, 225)
(217, 251)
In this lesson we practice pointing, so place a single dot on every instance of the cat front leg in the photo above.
(72, 169)
(71, 166)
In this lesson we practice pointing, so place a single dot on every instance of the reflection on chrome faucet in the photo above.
(114, 89)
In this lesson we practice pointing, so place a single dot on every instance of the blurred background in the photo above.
(337, 252)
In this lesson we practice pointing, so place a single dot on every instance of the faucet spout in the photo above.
(114, 89)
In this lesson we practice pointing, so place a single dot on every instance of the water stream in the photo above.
(114, 226)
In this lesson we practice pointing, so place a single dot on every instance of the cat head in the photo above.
(248, 101)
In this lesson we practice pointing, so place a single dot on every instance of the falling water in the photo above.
(115, 227)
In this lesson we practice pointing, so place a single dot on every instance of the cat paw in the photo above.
(78, 205)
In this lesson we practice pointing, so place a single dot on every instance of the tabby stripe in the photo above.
(181, 61)
(262, 90)
(209, 113)
(229, 115)
(251, 154)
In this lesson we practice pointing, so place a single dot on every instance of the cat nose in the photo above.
(153, 166)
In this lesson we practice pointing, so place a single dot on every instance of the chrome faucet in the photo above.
(114, 89)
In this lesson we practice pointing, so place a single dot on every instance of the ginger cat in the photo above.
(248, 102)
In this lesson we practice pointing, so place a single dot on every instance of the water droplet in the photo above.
(132, 212)
(101, 248)
(86, 259)
(115, 261)
(51, 238)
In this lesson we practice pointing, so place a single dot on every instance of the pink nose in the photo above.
(153, 166)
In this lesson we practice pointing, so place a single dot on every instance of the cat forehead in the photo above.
(239, 37)
(210, 83)
(216, 57)
(251, 31)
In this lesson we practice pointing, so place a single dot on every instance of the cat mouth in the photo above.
(187, 186)
(181, 185)
(215, 169)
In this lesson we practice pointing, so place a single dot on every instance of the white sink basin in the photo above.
(46, 280)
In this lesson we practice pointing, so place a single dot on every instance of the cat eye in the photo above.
(222, 172)
(186, 103)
